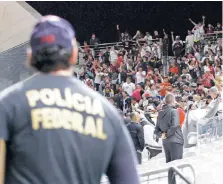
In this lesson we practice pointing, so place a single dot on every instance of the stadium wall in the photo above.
(17, 20)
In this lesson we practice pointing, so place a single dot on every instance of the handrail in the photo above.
(215, 33)
(14, 47)
(101, 44)
(172, 176)
(166, 169)
(150, 173)
(115, 43)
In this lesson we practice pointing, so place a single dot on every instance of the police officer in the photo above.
(55, 128)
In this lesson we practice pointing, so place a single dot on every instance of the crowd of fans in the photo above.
(130, 75)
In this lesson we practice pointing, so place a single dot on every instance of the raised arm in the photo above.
(172, 37)
(192, 22)
(118, 33)
(203, 20)
(4, 135)
(2, 160)
(164, 32)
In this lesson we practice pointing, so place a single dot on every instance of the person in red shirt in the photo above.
(119, 61)
(137, 94)
(207, 77)
(174, 68)
(181, 115)
(164, 87)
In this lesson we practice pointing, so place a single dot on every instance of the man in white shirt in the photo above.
(113, 56)
(153, 92)
(97, 79)
(156, 50)
(189, 41)
(198, 29)
(148, 38)
(186, 74)
(209, 46)
(140, 76)
(128, 86)
(145, 48)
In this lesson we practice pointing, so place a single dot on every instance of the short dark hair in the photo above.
(51, 58)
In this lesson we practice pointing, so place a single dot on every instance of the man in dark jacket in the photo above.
(168, 128)
(125, 119)
(137, 134)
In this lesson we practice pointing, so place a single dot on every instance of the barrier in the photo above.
(210, 131)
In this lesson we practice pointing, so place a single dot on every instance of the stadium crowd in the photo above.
(131, 75)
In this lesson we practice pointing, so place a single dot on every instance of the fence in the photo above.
(210, 130)
(12, 65)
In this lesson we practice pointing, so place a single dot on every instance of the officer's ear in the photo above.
(73, 58)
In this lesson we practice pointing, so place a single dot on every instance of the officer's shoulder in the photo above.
(16, 89)
(10, 92)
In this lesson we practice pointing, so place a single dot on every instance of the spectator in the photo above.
(137, 134)
(126, 102)
(140, 76)
(198, 29)
(189, 42)
(189, 75)
(168, 128)
(94, 40)
(156, 35)
(113, 56)
(212, 107)
(134, 104)
(210, 29)
(128, 86)
(138, 36)
(218, 30)
(177, 46)
(97, 80)
(148, 38)
(106, 56)
(208, 46)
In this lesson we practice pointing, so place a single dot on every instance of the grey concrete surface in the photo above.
(17, 20)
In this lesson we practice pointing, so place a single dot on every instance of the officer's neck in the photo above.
(68, 72)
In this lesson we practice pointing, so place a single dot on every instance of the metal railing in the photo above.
(210, 130)
(173, 172)
(156, 175)
(149, 176)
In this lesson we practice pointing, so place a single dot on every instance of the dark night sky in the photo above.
(102, 17)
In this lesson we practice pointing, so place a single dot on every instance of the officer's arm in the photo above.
(122, 167)
(2, 161)
(3, 137)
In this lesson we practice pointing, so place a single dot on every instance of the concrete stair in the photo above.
(206, 160)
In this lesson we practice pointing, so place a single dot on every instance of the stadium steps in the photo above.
(206, 161)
